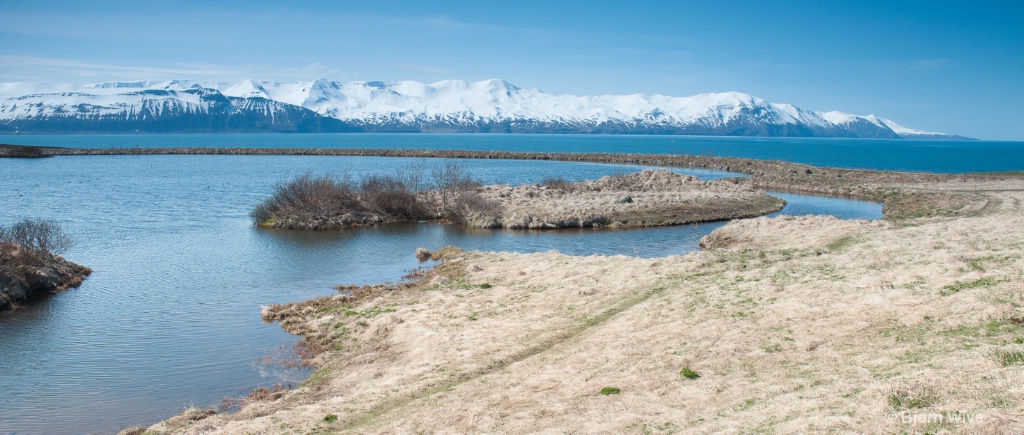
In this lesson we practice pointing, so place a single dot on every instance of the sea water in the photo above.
(170, 318)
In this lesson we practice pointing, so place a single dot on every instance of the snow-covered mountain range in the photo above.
(490, 106)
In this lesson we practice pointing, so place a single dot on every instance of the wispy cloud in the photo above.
(29, 67)
(21, 65)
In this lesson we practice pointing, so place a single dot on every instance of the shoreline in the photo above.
(901, 193)
(785, 324)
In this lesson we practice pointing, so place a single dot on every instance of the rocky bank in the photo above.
(25, 277)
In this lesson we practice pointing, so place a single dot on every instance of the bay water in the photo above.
(170, 317)
(947, 156)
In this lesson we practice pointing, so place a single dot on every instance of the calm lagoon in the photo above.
(170, 317)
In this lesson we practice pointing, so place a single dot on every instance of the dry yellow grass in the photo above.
(808, 324)
(643, 199)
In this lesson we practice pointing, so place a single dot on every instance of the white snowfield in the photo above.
(451, 102)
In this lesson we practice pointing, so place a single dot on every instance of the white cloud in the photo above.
(31, 68)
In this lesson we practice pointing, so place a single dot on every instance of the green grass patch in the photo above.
(607, 391)
(689, 373)
(330, 418)
(369, 312)
(1010, 357)
(317, 379)
(912, 397)
(980, 282)
(841, 243)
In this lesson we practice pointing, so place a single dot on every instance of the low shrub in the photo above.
(325, 202)
(391, 196)
(309, 196)
(36, 237)
(556, 183)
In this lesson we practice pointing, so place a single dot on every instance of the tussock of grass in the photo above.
(688, 373)
(903, 396)
(1010, 357)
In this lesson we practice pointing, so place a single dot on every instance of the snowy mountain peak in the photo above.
(120, 85)
(246, 89)
(493, 105)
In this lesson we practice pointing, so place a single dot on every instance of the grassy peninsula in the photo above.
(914, 323)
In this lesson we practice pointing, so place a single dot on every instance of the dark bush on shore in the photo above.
(392, 197)
(36, 237)
(309, 197)
(450, 179)
(29, 263)
(558, 183)
(325, 202)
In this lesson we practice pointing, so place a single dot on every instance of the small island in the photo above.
(30, 267)
(644, 199)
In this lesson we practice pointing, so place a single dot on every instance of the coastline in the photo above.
(784, 324)
(903, 194)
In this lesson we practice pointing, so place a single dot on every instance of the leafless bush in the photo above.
(412, 176)
(391, 196)
(308, 195)
(556, 183)
(450, 178)
(258, 394)
(376, 198)
(36, 237)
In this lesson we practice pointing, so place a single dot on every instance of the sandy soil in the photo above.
(789, 324)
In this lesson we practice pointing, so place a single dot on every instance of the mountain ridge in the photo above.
(449, 106)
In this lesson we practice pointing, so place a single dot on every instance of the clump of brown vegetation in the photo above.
(258, 394)
(30, 265)
(325, 202)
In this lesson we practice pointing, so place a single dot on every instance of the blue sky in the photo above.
(954, 67)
